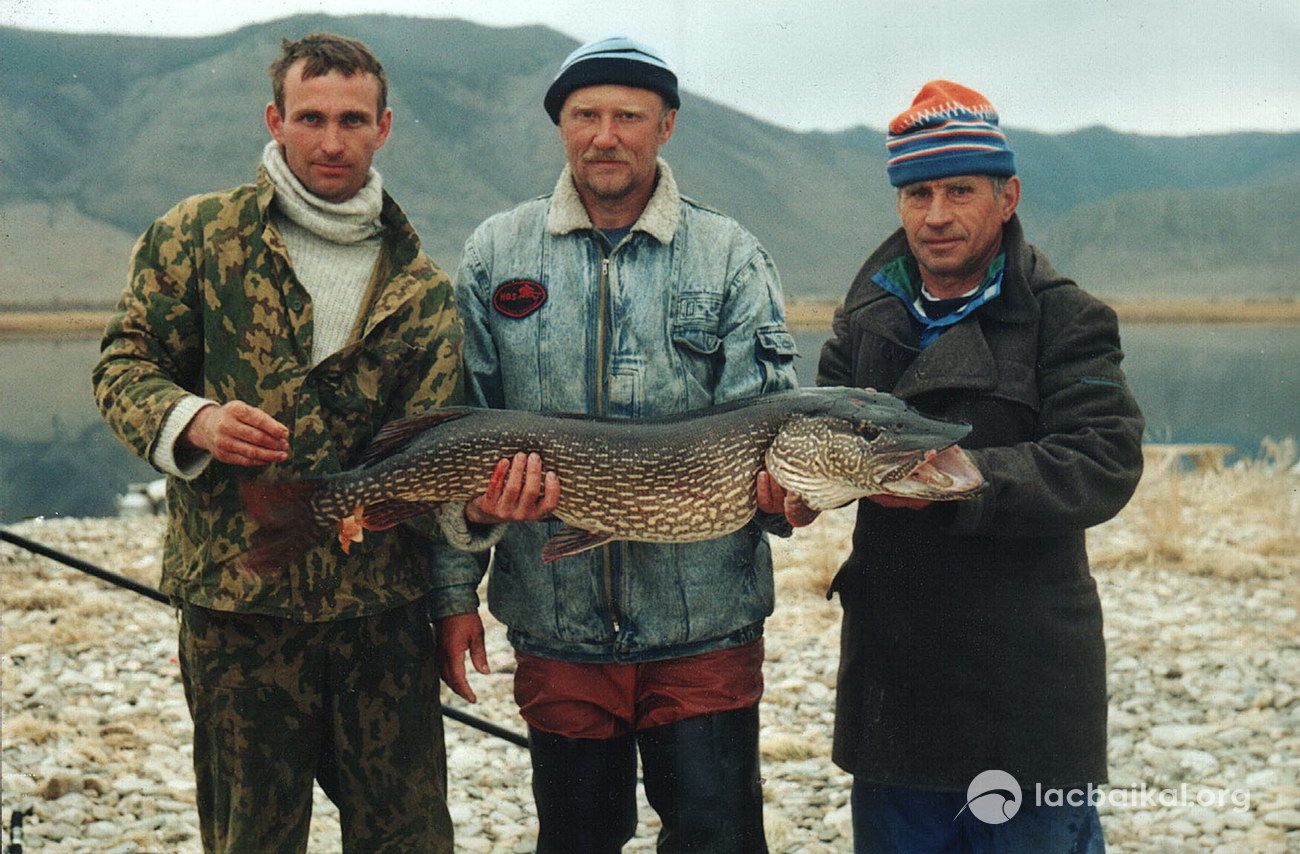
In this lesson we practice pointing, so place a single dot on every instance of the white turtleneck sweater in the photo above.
(333, 248)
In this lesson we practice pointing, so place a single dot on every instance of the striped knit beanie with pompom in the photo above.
(949, 130)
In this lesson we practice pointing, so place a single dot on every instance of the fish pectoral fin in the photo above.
(351, 527)
(387, 514)
(570, 540)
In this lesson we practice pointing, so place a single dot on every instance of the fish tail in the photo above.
(286, 524)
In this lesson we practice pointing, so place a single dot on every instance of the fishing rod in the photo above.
(158, 596)
(15, 845)
(85, 566)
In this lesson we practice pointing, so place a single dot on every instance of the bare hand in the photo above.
(456, 635)
(773, 498)
(519, 492)
(900, 501)
(239, 434)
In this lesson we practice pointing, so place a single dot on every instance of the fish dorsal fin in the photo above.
(396, 435)
(570, 540)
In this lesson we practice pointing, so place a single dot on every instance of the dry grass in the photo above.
(36, 729)
(1239, 523)
(97, 604)
(1280, 310)
(76, 322)
(808, 561)
(809, 314)
(804, 314)
(37, 599)
(786, 747)
(1160, 511)
(60, 631)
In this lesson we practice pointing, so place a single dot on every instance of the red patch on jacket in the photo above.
(519, 298)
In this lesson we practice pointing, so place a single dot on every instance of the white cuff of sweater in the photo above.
(455, 527)
(185, 463)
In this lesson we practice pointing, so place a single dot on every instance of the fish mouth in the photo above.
(946, 473)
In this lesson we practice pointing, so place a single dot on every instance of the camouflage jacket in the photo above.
(213, 308)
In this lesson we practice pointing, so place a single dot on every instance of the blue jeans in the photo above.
(913, 821)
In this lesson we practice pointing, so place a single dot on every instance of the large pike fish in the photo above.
(678, 478)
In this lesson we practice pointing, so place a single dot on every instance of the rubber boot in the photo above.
(701, 776)
(585, 791)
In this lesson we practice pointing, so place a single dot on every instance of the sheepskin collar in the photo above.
(659, 219)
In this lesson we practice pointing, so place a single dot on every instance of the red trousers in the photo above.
(610, 700)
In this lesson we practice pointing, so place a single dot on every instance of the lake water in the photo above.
(1228, 384)
(1196, 383)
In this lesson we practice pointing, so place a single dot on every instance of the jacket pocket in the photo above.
(697, 310)
(696, 315)
(697, 341)
(699, 348)
(776, 352)
(226, 651)
(625, 381)
(360, 381)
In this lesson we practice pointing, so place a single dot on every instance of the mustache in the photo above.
(605, 154)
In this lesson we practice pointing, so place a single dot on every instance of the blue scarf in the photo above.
(902, 278)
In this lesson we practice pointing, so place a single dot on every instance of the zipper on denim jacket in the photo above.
(607, 563)
(601, 332)
(602, 310)
(606, 559)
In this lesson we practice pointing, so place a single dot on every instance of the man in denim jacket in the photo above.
(616, 296)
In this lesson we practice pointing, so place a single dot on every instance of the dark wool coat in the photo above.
(972, 635)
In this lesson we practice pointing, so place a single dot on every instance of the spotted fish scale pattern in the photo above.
(681, 478)
(666, 482)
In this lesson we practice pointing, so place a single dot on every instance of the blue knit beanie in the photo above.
(949, 130)
(617, 60)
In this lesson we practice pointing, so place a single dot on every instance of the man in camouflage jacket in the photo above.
(268, 332)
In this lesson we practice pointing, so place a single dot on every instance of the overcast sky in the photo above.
(1148, 66)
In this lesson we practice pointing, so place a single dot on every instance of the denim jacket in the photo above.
(685, 312)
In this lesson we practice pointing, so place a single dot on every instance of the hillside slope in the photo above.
(117, 129)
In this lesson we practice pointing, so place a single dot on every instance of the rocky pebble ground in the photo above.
(1200, 579)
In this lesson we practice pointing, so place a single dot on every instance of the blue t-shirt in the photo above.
(614, 236)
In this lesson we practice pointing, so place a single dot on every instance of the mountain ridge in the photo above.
(108, 132)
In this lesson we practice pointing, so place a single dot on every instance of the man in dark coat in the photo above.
(972, 679)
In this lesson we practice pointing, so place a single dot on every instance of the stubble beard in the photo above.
(609, 188)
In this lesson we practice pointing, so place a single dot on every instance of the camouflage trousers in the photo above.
(352, 704)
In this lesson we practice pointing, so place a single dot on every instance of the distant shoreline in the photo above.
(803, 315)
(816, 314)
(40, 323)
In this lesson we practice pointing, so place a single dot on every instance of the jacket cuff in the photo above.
(460, 533)
(456, 577)
(452, 600)
(185, 463)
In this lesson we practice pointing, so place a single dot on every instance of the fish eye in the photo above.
(868, 431)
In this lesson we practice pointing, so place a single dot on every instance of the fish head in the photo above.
(857, 443)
